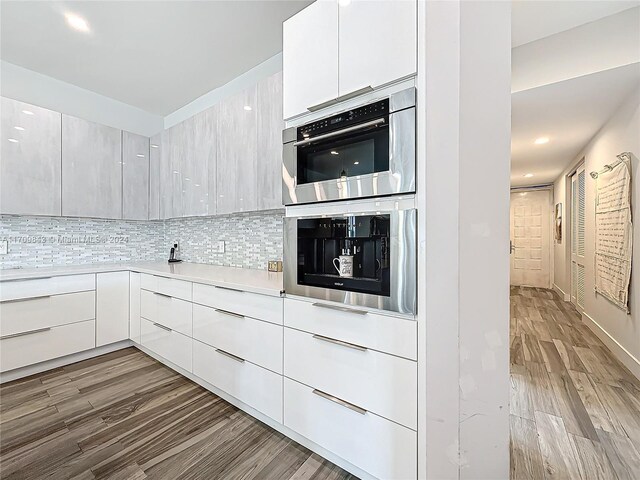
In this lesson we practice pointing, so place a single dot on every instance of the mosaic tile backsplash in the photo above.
(250, 240)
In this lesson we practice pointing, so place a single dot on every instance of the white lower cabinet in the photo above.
(134, 306)
(169, 344)
(166, 286)
(374, 444)
(253, 385)
(39, 287)
(112, 307)
(46, 344)
(167, 311)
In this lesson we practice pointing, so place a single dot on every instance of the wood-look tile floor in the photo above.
(575, 409)
(126, 416)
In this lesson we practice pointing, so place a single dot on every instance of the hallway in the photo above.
(575, 409)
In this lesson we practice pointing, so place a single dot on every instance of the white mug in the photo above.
(344, 265)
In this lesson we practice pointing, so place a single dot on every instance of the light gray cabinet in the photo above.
(155, 158)
(91, 169)
(236, 153)
(172, 151)
(269, 139)
(165, 190)
(135, 176)
(201, 164)
(30, 168)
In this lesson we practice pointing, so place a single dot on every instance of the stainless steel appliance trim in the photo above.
(13, 300)
(227, 312)
(159, 325)
(230, 355)
(340, 342)
(229, 288)
(162, 295)
(339, 401)
(355, 128)
(341, 98)
(341, 309)
(22, 334)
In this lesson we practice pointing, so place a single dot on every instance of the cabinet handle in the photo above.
(340, 342)
(229, 288)
(25, 299)
(21, 334)
(162, 327)
(226, 312)
(362, 126)
(341, 98)
(339, 401)
(340, 309)
(27, 279)
(162, 295)
(230, 355)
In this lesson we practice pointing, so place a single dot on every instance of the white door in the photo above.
(531, 238)
(577, 237)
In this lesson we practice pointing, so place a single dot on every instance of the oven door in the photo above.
(372, 159)
(382, 257)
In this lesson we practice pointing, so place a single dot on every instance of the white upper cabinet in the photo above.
(135, 176)
(378, 43)
(155, 158)
(91, 169)
(310, 57)
(30, 166)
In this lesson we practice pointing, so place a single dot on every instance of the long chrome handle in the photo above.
(26, 279)
(340, 309)
(162, 327)
(340, 342)
(228, 288)
(162, 295)
(341, 98)
(21, 334)
(227, 312)
(230, 355)
(339, 401)
(25, 299)
(362, 126)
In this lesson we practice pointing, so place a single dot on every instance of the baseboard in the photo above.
(565, 296)
(62, 361)
(621, 353)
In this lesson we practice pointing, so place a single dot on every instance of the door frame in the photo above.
(568, 216)
(537, 188)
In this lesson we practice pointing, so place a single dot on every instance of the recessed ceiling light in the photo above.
(528, 175)
(333, 152)
(139, 155)
(247, 108)
(19, 128)
(541, 140)
(13, 140)
(27, 112)
(76, 22)
(356, 163)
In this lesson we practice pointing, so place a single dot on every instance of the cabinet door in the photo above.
(91, 169)
(367, 56)
(237, 155)
(30, 167)
(199, 133)
(155, 159)
(165, 201)
(135, 176)
(177, 152)
(270, 124)
(310, 57)
(207, 132)
(134, 306)
(112, 307)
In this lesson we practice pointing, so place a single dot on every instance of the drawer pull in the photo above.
(162, 327)
(341, 98)
(230, 355)
(162, 295)
(340, 342)
(227, 312)
(339, 401)
(25, 299)
(21, 334)
(229, 288)
(27, 279)
(340, 309)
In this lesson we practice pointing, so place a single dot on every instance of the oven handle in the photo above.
(372, 123)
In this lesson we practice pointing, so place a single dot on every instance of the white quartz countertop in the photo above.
(246, 279)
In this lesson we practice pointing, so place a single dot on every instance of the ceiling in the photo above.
(569, 113)
(536, 19)
(154, 55)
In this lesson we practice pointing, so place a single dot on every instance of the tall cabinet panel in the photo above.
(155, 158)
(237, 156)
(270, 125)
(135, 176)
(30, 167)
(91, 169)
(195, 178)
(177, 152)
(165, 191)
(207, 131)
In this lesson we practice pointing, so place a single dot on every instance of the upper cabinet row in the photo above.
(332, 49)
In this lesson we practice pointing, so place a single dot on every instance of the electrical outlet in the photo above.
(4, 247)
(274, 266)
(218, 247)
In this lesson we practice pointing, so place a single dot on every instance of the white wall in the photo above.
(620, 331)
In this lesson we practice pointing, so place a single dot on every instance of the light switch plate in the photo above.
(4, 247)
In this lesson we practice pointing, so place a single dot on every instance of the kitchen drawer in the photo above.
(262, 307)
(376, 445)
(167, 311)
(169, 344)
(388, 334)
(28, 349)
(168, 286)
(257, 387)
(38, 287)
(383, 384)
(254, 340)
(24, 315)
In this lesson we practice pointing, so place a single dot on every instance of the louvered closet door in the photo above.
(577, 237)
